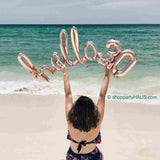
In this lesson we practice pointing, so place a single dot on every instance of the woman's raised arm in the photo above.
(67, 90)
(102, 95)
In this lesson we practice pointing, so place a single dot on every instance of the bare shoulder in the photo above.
(80, 135)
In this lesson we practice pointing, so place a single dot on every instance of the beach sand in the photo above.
(33, 127)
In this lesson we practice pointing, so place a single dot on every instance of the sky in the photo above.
(79, 11)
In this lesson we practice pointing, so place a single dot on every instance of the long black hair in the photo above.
(84, 114)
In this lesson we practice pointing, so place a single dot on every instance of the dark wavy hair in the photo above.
(84, 114)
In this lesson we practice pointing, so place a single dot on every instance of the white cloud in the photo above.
(135, 3)
(84, 11)
(53, 3)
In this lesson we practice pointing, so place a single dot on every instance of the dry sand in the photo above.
(34, 128)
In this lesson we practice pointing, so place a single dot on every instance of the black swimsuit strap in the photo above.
(84, 143)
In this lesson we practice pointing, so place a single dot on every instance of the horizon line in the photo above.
(80, 24)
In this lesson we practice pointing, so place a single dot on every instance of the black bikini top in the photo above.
(97, 140)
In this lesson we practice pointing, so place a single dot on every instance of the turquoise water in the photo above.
(38, 42)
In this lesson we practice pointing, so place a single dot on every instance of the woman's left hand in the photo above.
(64, 70)
(107, 71)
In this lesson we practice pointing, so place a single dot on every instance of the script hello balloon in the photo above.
(115, 57)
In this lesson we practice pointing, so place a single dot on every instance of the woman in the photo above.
(84, 120)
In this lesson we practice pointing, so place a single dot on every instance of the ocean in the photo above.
(38, 42)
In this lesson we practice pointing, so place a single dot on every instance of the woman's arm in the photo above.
(102, 95)
(67, 90)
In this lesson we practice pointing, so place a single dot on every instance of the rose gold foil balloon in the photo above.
(111, 54)
(114, 57)
(132, 61)
(64, 48)
(49, 69)
(75, 45)
(30, 67)
(102, 61)
(110, 65)
(116, 45)
(58, 65)
(86, 55)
